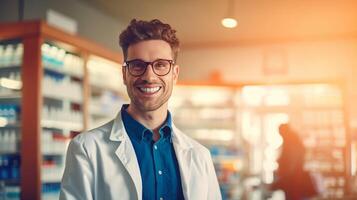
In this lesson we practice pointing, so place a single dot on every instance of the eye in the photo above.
(161, 64)
(137, 65)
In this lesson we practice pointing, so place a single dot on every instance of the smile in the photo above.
(150, 90)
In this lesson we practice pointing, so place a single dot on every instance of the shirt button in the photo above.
(160, 172)
(155, 147)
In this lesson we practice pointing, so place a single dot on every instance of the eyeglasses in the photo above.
(137, 67)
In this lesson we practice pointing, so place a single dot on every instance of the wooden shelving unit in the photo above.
(33, 34)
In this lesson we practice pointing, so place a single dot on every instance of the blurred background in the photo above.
(279, 62)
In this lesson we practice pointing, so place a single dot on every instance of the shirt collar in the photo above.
(139, 132)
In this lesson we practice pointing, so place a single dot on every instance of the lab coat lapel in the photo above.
(183, 155)
(126, 153)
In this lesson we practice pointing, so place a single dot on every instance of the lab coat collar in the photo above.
(126, 153)
(118, 133)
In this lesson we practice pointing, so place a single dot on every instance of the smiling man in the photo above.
(141, 154)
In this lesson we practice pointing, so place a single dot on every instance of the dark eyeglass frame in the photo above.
(127, 64)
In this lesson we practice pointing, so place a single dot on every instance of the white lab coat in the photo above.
(101, 165)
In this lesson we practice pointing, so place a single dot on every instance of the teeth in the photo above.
(149, 90)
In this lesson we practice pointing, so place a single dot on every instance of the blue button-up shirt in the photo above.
(157, 160)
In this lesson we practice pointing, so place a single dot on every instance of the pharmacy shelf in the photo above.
(54, 153)
(62, 71)
(57, 124)
(35, 38)
(100, 87)
(11, 98)
(97, 111)
(100, 114)
(11, 181)
(3, 153)
(53, 176)
(10, 68)
(63, 97)
(16, 125)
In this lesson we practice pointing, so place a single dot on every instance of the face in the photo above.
(149, 92)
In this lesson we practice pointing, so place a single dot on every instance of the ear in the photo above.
(175, 73)
(123, 70)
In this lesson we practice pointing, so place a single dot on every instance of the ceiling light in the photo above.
(229, 21)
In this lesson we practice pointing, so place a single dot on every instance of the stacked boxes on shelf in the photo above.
(10, 116)
(60, 93)
(11, 54)
(62, 112)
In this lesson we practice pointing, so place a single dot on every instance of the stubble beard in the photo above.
(148, 107)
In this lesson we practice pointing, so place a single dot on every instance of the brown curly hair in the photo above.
(139, 30)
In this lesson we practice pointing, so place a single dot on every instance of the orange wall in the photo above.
(285, 62)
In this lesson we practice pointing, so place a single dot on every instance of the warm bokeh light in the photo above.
(229, 22)
(251, 131)
(277, 97)
(213, 134)
(209, 96)
(253, 95)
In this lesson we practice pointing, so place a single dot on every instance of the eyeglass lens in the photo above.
(160, 67)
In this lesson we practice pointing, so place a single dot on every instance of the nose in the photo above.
(149, 74)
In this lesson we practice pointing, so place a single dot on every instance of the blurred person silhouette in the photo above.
(291, 177)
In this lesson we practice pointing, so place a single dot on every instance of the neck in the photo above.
(150, 119)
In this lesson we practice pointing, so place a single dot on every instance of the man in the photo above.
(141, 154)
